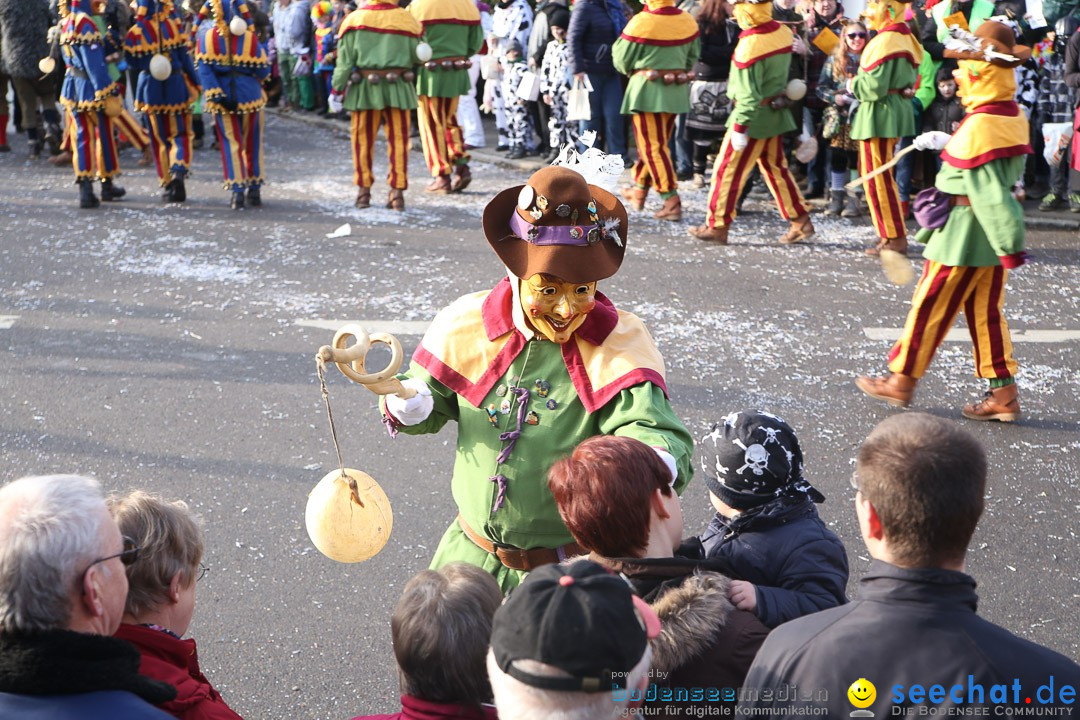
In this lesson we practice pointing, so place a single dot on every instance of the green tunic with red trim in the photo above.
(759, 71)
(664, 38)
(376, 36)
(607, 380)
(452, 29)
(982, 160)
(888, 65)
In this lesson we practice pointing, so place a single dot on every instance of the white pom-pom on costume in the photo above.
(423, 52)
(597, 167)
(238, 26)
(160, 67)
(795, 90)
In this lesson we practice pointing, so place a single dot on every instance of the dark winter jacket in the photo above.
(704, 641)
(816, 59)
(65, 675)
(714, 62)
(1072, 64)
(942, 114)
(798, 565)
(908, 628)
(23, 27)
(591, 35)
(541, 30)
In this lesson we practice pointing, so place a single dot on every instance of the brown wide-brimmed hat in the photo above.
(991, 40)
(557, 224)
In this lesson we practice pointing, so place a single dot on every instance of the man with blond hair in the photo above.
(62, 593)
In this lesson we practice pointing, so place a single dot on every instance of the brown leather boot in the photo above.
(363, 197)
(671, 211)
(895, 389)
(1001, 404)
(710, 234)
(801, 229)
(396, 199)
(440, 184)
(635, 196)
(147, 157)
(462, 178)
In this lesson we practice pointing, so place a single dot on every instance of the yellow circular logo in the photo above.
(862, 693)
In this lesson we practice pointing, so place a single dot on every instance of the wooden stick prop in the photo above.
(351, 359)
(880, 170)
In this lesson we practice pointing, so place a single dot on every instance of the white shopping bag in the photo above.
(1056, 138)
(529, 87)
(578, 101)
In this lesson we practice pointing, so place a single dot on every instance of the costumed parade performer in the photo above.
(157, 49)
(374, 80)
(884, 85)
(452, 30)
(759, 120)
(92, 100)
(531, 368)
(232, 65)
(973, 228)
(656, 50)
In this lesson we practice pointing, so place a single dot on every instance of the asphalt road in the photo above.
(164, 347)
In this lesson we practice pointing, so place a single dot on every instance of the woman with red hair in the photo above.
(615, 495)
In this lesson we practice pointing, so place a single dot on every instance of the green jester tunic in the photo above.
(376, 37)
(474, 357)
(452, 29)
(658, 38)
(888, 66)
(759, 71)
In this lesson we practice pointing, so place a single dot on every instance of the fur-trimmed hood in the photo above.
(23, 27)
(692, 604)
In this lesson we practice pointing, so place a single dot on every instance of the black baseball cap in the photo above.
(578, 618)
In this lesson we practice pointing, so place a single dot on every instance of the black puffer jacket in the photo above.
(798, 565)
(591, 35)
(23, 27)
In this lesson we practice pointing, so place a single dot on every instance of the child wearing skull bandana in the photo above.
(767, 532)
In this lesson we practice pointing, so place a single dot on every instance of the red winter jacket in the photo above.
(176, 662)
(413, 708)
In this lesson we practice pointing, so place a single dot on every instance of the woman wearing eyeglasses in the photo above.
(161, 601)
(836, 127)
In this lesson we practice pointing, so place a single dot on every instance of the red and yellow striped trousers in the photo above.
(240, 139)
(440, 134)
(882, 193)
(733, 167)
(941, 293)
(652, 132)
(365, 126)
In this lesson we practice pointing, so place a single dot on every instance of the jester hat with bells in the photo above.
(557, 224)
(989, 55)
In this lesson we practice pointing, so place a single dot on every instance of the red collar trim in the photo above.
(901, 28)
(743, 66)
(449, 21)
(669, 10)
(368, 28)
(658, 43)
(902, 55)
(497, 312)
(1006, 108)
(379, 6)
(768, 27)
(995, 154)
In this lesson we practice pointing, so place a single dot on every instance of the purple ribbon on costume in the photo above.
(391, 426)
(511, 438)
(550, 234)
(500, 497)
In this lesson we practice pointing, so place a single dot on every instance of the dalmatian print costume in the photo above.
(512, 19)
(517, 114)
(555, 81)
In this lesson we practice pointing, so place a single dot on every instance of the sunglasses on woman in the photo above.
(856, 35)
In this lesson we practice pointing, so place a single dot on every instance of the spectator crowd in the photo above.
(534, 54)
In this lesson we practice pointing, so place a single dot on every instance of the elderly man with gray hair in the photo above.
(62, 593)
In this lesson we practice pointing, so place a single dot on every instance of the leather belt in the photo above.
(962, 200)
(906, 92)
(516, 558)
(376, 76)
(457, 62)
(777, 102)
(678, 77)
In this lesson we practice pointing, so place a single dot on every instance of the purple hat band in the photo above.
(577, 235)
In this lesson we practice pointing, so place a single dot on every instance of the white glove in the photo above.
(416, 409)
(739, 141)
(335, 102)
(933, 140)
(669, 460)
